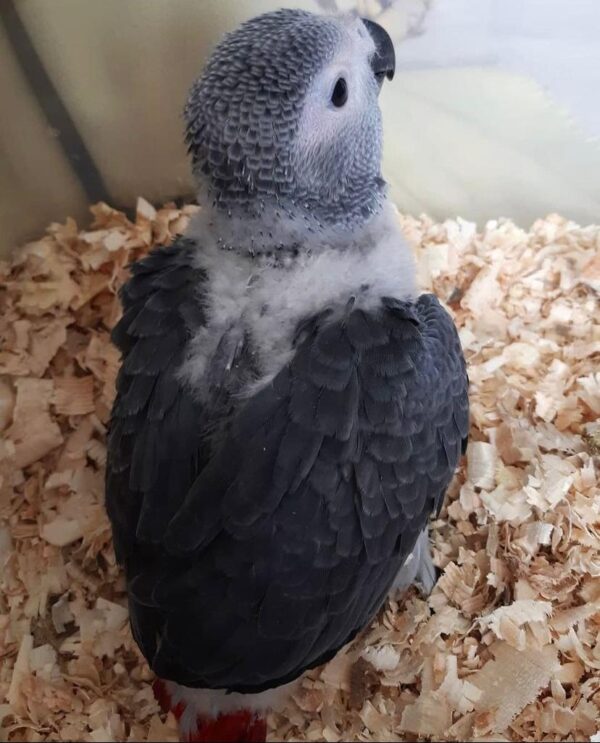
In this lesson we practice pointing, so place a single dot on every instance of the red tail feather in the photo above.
(235, 727)
(232, 728)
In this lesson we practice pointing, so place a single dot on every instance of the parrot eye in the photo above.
(340, 93)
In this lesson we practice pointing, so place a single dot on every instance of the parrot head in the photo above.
(286, 116)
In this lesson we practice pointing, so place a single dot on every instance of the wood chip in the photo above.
(364, 679)
(512, 681)
(74, 395)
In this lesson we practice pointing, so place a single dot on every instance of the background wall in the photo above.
(493, 111)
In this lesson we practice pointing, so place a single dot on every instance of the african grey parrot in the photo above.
(289, 410)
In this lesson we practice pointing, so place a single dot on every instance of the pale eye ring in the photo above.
(340, 93)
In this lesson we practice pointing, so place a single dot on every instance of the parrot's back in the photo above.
(263, 513)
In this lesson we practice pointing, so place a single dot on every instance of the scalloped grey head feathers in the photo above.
(262, 129)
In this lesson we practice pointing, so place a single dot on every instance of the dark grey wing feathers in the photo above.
(257, 553)
(156, 424)
(292, 533)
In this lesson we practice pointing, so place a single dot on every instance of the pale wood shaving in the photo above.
(506, 647)
(510, 682)
(510, 623)
(74, 395)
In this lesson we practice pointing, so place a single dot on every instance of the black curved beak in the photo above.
(384, 59)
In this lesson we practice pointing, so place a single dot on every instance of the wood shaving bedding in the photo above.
(507, 647)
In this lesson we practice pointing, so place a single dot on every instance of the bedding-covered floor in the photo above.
(507, 647)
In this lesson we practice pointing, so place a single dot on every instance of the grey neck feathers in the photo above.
(277, 230)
